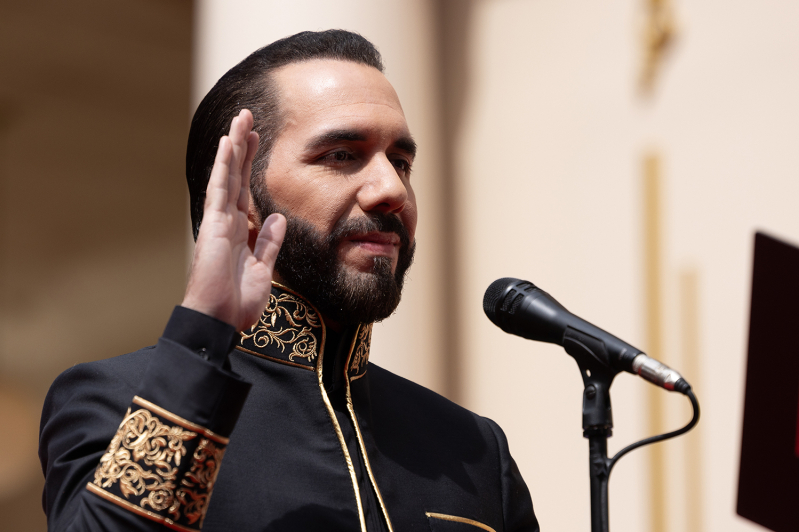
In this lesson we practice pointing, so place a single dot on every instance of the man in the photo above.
(314, 437)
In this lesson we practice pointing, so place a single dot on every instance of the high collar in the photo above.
(291, 331)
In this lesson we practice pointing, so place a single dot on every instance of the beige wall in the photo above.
(551, 163)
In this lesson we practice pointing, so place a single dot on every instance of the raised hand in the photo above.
(228, 280)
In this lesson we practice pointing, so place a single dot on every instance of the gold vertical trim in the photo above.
(351, 410)
(689, 301)
(654, 333)
(366, 461)
(337, 427)
(456, 519)
(330, 412)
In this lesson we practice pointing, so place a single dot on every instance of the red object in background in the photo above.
(768, 484)
(796, 450)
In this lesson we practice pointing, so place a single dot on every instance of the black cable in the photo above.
(660, 437)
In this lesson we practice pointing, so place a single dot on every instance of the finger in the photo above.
(247, 118)
(234, 181)
(240, 129)
(246, 172)
(270, 239)
(216, 194)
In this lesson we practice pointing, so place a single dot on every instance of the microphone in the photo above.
(521, 308)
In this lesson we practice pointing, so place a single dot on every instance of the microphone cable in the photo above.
(661, 437)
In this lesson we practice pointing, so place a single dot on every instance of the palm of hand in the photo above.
(228, 280)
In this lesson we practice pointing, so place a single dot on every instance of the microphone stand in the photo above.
(597, 417)
(520, 308)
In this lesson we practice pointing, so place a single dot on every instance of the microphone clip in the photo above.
(592, 359)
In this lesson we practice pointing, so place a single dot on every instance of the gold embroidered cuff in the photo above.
(160, 466)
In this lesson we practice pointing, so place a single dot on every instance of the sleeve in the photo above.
(135, 443)
(517, 505)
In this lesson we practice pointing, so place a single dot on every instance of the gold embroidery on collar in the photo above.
(146, 461)
(361, 355)
(275, 359)
(302, 319)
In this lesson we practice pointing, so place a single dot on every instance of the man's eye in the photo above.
(403, 167)
(338, 157)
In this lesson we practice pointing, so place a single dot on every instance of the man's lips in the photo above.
(377, 242)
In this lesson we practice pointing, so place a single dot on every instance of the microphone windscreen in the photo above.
(493, 295)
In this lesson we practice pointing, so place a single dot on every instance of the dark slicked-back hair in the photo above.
(249, 85)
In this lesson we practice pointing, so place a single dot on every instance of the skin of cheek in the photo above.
(311, 195)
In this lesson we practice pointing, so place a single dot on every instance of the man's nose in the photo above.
(383, 190)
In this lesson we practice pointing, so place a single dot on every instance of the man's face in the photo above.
(340, 171)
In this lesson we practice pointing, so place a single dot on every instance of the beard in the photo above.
(308, 262)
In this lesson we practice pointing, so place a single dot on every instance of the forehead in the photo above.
(323, 93)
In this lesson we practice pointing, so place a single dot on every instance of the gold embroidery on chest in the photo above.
(298, 333)
(361, 355)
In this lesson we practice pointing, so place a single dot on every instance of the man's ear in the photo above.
(254, 224)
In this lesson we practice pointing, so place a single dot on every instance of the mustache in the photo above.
(376, 221)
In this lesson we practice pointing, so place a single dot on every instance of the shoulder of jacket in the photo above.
(116, 373)
(117, 367)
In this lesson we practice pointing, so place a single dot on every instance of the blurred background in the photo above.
(619, 154)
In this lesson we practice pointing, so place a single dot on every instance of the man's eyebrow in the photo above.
(406, 144)
(331, 137)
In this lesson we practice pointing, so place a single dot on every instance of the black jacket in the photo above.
(314, 437)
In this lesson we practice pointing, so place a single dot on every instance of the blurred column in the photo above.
(653, 345)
